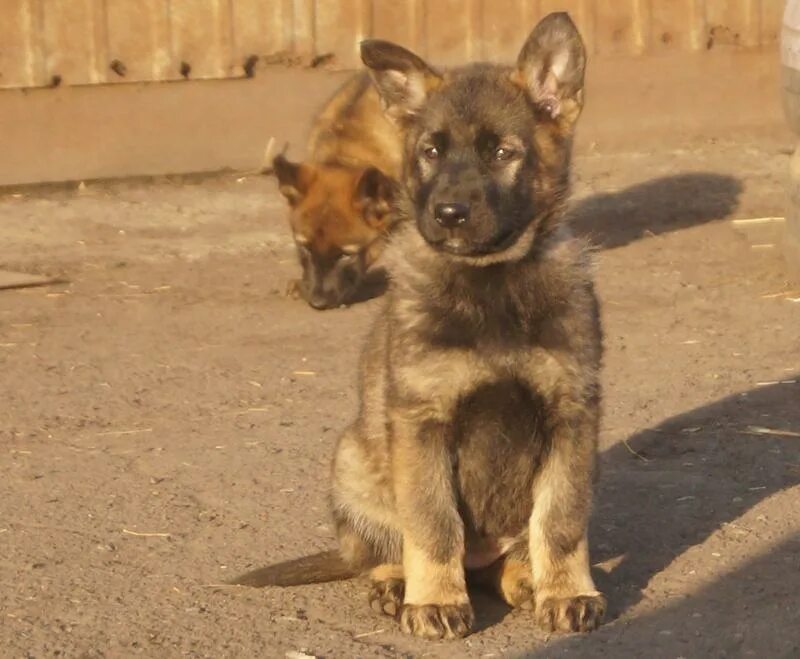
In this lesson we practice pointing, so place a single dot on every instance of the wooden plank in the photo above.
(396, 20)
(19, 52)
(505, 29)
(258, 30)
(339, 27)
(73, 41)
(138, 41)
(731, 23)
(474, 10)
(303, 27)
(672, 26)
(620, 26)
(770, 22)
(200, 38)
(451, 30)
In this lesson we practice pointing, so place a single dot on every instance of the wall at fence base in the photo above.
(77, 133)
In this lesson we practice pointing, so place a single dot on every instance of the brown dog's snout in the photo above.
(451, 215)
(319, 302)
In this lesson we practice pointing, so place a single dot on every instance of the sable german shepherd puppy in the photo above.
(474, 449)
(340, 198)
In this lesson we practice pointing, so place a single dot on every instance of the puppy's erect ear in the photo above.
(373, 185)
(551, 66)
(374, 194)
(293, 179)
(403, 80)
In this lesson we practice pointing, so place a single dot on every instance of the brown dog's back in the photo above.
(352, 130)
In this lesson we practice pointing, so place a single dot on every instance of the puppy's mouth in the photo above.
(460, 246)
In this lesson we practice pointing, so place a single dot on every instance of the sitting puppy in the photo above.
(340, 199)
(474, 449)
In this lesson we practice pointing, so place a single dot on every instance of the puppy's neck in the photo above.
(520, 290)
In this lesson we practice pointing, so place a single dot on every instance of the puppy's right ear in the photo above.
(402, 78)
(293, 179)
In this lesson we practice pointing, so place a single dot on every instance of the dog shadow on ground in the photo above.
(655, 207)
(669, 489)
(750, 612)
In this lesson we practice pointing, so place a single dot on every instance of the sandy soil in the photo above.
(168, 419)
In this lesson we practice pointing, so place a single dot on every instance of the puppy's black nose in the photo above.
(451, 215)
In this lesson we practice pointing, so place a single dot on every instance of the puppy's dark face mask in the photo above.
(486, 147)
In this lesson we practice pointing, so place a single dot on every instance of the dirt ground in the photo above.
(168, 419)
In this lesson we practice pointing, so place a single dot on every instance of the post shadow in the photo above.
(654, 207)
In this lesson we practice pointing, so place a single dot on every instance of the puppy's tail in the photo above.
(317, 568)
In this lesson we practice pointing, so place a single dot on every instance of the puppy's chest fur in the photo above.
(459, 328)
(488, 350)
(498, 442)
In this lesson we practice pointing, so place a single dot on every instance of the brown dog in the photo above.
(475, 446)
(340, 199)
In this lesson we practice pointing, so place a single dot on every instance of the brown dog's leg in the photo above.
(565, 595)
(436, 604)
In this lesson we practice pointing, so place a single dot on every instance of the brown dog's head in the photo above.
(339, 216)
(486, 147)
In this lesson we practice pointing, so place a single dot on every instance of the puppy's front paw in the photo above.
(516, 584)
(583, 613)
(518, 593)
(387, 596)
(437, 621)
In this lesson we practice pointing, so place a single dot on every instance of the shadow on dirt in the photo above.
(694, 474)
(655, 207)
(751, 612)
(697, 472)
(488, 607)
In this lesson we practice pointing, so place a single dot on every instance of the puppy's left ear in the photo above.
(551, 67)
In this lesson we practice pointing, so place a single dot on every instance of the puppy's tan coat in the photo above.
(474, 448)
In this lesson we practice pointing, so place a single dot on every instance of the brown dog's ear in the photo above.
(403, 80)
(293, 179)
(374, 194)
(551, 66)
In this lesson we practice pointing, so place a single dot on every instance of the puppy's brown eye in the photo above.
(431, 153)
(503, 153)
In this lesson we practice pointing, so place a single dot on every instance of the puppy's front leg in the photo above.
(436, 604)
(565, 595)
